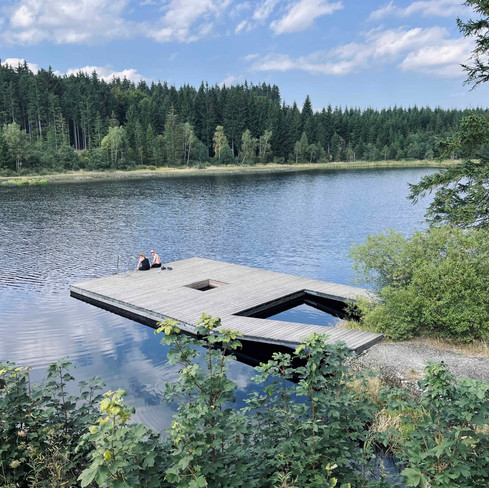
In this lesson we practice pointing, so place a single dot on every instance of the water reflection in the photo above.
(52, 236)
(305, 314)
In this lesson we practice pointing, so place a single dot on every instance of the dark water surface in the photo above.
(55, 235)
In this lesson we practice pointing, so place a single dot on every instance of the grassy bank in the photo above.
(23, 181)
(82, 176)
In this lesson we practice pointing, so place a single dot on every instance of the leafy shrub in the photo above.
(313, 425)
(40, 426)
(306, 434)
(446, 443)
(207, 438)
(326, 421)
(434, 283)
(122, 455)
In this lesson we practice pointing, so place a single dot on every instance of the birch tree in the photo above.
(264, 147)
(219, 141)
(248, 147)
(16, 143)
(188, 141)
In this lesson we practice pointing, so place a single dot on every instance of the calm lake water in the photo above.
(55, 235)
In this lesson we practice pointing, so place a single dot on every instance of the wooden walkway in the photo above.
(196, 285)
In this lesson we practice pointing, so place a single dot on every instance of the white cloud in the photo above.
(264, 10)
(405, 46)
(439, 8)
(239, 8)
(243, 25)
(301, 15)
(187, 20)
(250, 57)
(382, 12)
(29, 22)
(106, 73)
(231, 80)
(314, 64)
(22, 17)
(14, 62)
(65, 21)
(260, 15)
(443, 60)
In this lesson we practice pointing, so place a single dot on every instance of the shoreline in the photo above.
(402, 364)
(164, 172)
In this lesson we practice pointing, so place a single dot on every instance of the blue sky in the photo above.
(363, 53)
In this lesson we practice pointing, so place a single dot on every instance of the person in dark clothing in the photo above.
(143, 263)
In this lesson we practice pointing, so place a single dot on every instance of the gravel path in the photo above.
(405, 362)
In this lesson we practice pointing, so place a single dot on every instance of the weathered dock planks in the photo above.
(231, 292)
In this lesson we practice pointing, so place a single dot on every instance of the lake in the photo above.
(54, 235)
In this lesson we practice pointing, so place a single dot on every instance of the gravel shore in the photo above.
(403, 364)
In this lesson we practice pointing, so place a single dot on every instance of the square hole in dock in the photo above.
(306, 314)
(205, 285)
(301, 307)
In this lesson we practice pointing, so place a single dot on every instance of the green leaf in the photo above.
(413, 476)
(88, 475)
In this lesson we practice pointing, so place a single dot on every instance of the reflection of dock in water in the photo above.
(241, 296)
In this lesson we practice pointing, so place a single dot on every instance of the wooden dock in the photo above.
(229, 291)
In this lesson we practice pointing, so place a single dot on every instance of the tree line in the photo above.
(56, 123)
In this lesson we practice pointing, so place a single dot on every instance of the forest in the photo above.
(51, 123)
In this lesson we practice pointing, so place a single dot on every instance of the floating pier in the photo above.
(238, 295)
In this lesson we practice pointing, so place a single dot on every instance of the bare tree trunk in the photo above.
(88, 128)
(75, 135)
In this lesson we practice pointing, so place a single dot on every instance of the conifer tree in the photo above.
(173, 137)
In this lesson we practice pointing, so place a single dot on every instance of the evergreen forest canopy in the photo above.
(57, 123)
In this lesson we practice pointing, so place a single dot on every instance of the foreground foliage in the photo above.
(433, 283)
(449, 443)
(41, 426)
(321, 430)
(309, 433)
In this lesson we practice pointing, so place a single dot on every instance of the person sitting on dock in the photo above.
(156, 260)
(143, 263)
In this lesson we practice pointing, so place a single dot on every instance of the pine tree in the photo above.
(173, 137)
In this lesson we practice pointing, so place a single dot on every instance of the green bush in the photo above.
(310, 432)
(446, 445)
(207, 437)
(41, 426)
(122, 455)
(324, 441)
(309, 426)
(434, 283)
